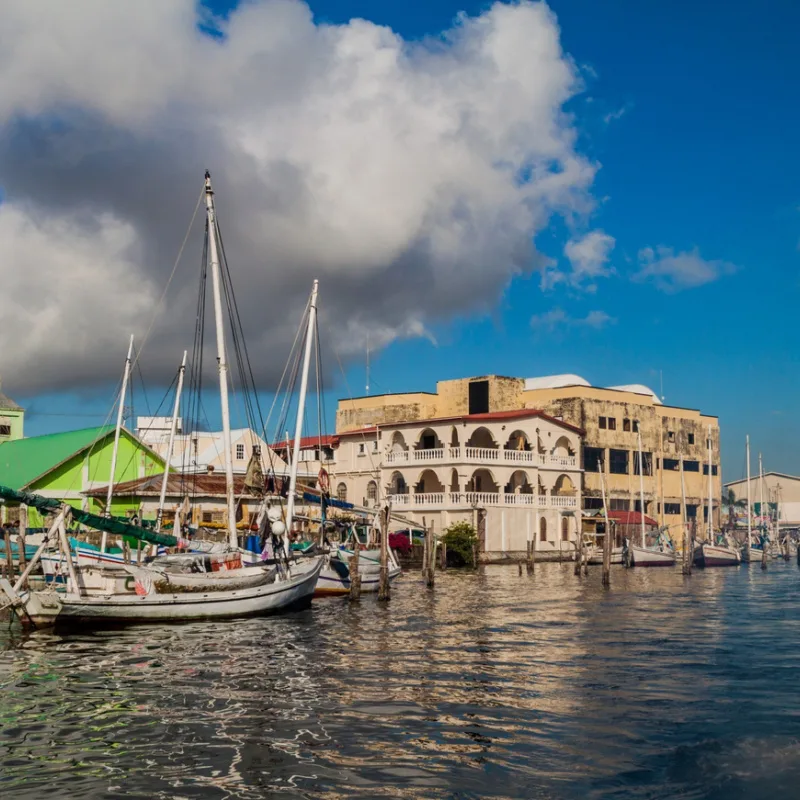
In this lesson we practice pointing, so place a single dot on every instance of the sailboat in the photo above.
(660, 554)
(754, 550)
(717, 551)
(248, 592)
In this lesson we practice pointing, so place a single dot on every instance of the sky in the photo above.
(608, 189)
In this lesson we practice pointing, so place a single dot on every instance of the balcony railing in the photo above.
(451, 454)
(433, 500)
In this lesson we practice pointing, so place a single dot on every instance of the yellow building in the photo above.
(611, 419)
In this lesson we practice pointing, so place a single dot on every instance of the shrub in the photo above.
(460, 539)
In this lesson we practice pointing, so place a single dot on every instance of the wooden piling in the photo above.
(383, 589)
(442, 556)
(21, 554)
(579, 554)
(355, 575)
(529, 558)
(9, 556)
(474, 555)
(607, 542)
(764, 554)
(430, 575)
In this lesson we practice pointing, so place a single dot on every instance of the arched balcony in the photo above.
(398, 450)
(429, 446)
(481, 446)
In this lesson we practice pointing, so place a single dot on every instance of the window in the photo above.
(612, 423)
(713, 469)
(213, 516)
(691, 438)
(672, 508)
(636, 426)
(375, 446)
(619, 504)
(670, 436)
(626, 424)
(564, 529)
(341, 492)
(428, 441)
(5, 430)
(372, 491)
(647, 463)
(240, 452)
(479, 397)
(671, 464)
(602, 423)
(691, 512)
(542, 530)
(593, 459)
(691, 466)
(637, 506)
(618, 462)
(592, 503)
(362, 448)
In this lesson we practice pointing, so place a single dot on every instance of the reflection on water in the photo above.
(494, 685)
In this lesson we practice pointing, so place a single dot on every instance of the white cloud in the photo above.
(612, 116)
(388, 169)
(558, 318)
(589, 257)
(672, 271)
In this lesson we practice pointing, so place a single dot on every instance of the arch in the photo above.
(341, 492)
(518, 441)
(564, 529)
(372, 491)
(454, 436)
(428, 482)
(563, 447)
(542, 529)
(398, 444)
(428, 440)
(518, 483)
(454, 487)
(397, 484)
(482, 437)
(482, 480)
(564, 486)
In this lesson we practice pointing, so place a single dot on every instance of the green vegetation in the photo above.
(460, 539)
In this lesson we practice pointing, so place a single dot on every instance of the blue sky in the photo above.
(691, 110)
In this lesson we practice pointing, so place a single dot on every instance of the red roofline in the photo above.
(631, 518)
(306, 442)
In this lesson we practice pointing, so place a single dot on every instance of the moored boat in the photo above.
(716, 555)
(651, 557)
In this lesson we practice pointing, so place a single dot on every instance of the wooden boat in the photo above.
(716, 555)
(54, 608)
(335, 575)
(651, 557)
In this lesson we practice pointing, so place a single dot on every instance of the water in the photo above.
(494, 686)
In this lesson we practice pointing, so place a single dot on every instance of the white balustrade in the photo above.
(397, 457)
(454, 453)
(399, 500)
(434, 454)
(482, 454)
(563, 501)
(519, 456)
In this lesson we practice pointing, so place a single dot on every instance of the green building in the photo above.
(12, 419)
(67, 465)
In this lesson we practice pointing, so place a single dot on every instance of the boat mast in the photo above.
(761, 493)
(710, 527)
(170, 445)
(641, 485)
(301, 405)
(125, 377)
(749, 526)
(222, 361)
(683, 501)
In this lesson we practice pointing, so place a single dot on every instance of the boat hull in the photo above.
(333, 581)
(712, 555)
(754, 555)
(48, 608)
(644, 557)
(596, 556)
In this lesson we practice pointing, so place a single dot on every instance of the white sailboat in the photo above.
(753, 551)
(660, 554)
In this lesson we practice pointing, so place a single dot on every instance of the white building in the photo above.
(515, 475)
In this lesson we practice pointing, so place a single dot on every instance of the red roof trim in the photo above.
(631, 518)
(306, 442)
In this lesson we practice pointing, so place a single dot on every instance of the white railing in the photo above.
(452, 454)
(400, 500)
(480, 499)
(562, 501)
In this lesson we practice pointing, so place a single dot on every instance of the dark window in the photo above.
(626, 424)
(612, 423)
(672, 508)
(691, 511)
(429, 441)
(671, 463)
(616, 504)
(593, 459)
(5, 430)
(542, 530)
(602, 422)
(691, 438)
(637, 506)
(691, 466)
(592, 503)
(713, 469)
(564, 529)
(670, 436)
(636, 426)
(618, 462)
(479, 397)
(647, 463)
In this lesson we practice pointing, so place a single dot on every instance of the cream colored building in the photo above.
(604, 422)
(780, 491)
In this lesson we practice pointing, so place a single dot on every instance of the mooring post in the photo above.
(442, 556)
(9, 555)
(355, 574)
(431, 573)
(383, 589)
(764, 553)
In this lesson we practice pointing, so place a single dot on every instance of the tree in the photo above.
(460, 539)
(732, 503)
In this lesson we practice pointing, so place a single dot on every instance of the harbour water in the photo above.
(494, 685)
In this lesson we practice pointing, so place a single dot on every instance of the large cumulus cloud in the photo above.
(410, 178)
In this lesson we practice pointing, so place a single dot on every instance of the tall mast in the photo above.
(641, 484)
(710, 526)
(125, 377)
(683, 500)
(171, 443)
(301, 406)
(760, 490)
(222, 361)
(749, 527)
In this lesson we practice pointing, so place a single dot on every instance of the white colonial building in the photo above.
(515, 475)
